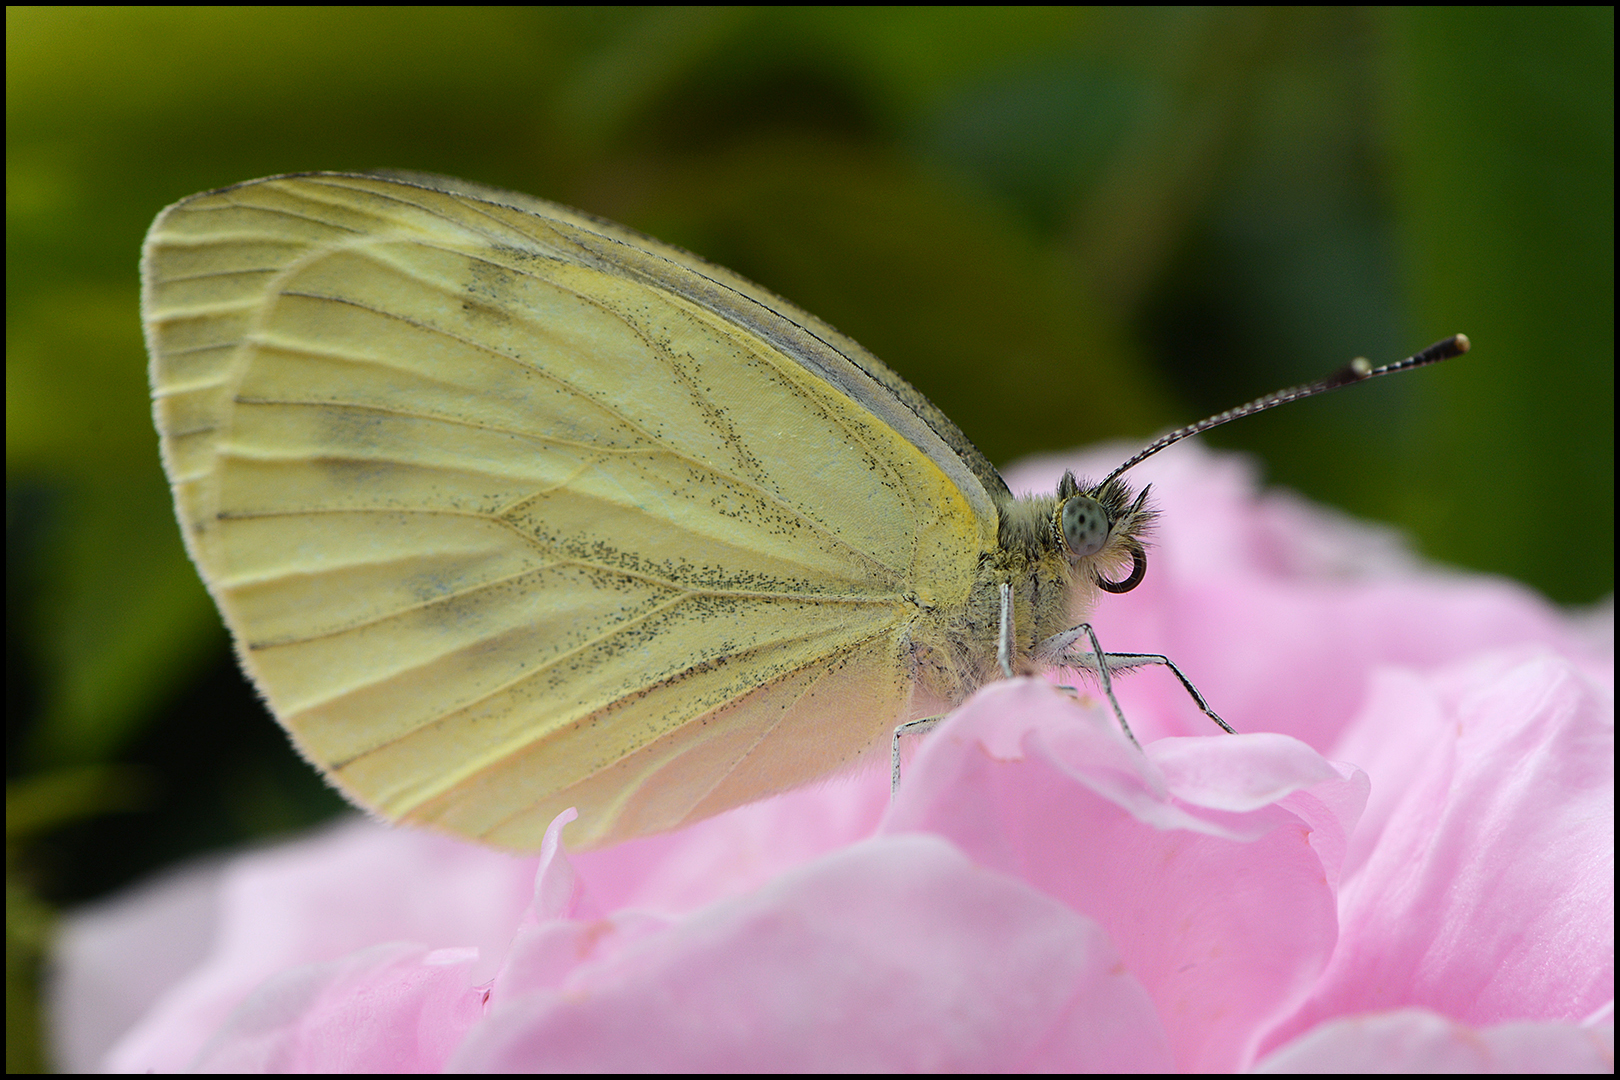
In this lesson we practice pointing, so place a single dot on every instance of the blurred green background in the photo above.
(1062, 225)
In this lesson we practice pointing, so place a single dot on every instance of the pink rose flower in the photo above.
(1405, 862)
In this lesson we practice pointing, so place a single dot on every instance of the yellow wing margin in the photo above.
(509, 509)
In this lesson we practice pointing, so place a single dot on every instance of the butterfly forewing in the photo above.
(502, 527)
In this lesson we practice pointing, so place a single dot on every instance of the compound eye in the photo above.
(1085, 526)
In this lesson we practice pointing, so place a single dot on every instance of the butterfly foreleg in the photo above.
(1059, 651)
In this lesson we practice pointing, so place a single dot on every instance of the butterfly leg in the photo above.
(1004, 638)
(1004, 646)
(910, 727)
(1055, 649)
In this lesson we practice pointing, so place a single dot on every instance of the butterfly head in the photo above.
(1104, 525)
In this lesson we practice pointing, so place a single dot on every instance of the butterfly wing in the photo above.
(509, 509)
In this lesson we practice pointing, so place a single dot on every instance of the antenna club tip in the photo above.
(1463, 344)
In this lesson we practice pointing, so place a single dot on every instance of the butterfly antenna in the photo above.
(1357, 370)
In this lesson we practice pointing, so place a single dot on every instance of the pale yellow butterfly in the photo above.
(511, 509)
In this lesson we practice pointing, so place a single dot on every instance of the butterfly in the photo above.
(511, 509)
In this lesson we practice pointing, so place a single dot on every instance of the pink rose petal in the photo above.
(1405, 860)
(322, 899)
(1418, 1041)
(894, 954)
(389, 1008)
(1486, 890)
(1219, 901)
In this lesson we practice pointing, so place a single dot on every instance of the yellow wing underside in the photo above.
(500, 528)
